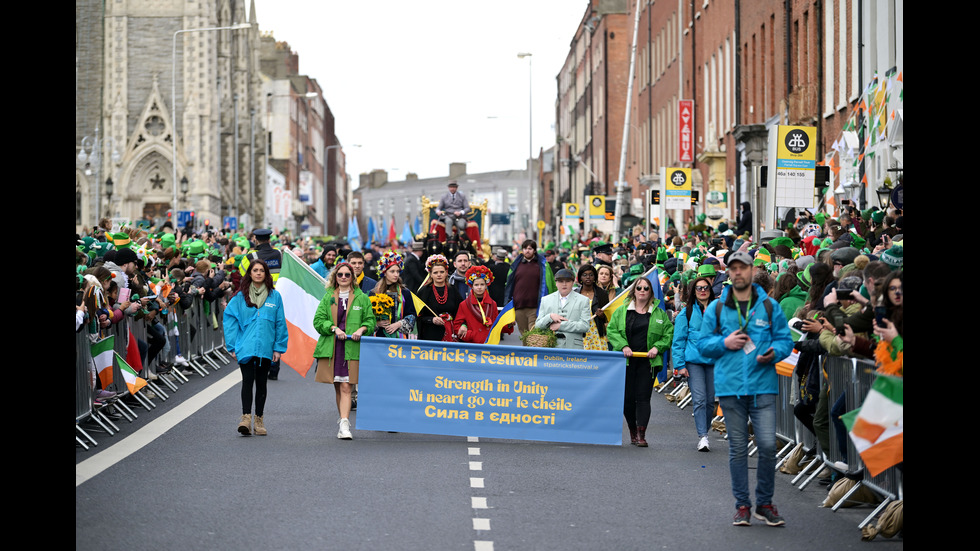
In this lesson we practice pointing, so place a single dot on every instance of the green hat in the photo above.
(858, 242)
(782, 240)
(707, 270)
(121, 240)
(762, 257)
(894, 257)
(820, 218)
(722, 227)
(168, 240)
(194, 248)
(878, 216)
(702, 217)
(661, 255)
(804, 276)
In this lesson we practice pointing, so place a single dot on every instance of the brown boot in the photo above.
(633, 435)
(641, 437)
(260, 426)
(245, 425)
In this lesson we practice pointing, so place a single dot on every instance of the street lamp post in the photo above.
(325, 162)
(90, 153)
(530, 124)
(173, 100)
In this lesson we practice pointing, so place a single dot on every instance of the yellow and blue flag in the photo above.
(505, 317)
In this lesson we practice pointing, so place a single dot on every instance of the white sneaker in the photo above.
(344, 432)
(179, 360)
(703, 444)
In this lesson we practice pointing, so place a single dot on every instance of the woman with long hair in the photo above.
(344, 310)
(788, 291)
(399, 320)
(606, 280)
(688, 359)
(443, 299)
(477, 313)
(890, 350)
(642, 331)
(255, 335)
(595, 337)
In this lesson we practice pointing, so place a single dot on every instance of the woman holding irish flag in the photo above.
(344, 310)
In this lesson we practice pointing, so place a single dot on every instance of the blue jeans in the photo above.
(761, 408)
(701, 379)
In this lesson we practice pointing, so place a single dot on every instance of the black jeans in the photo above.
(255, 371)
(639, 389)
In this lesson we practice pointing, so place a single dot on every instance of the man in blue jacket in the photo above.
(746, 332)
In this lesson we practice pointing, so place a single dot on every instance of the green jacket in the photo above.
(359, 314)
(660, 333)
(792, 301)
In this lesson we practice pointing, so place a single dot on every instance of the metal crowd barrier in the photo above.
(199, 337)
(854, 378)
(888, 483)
(83, 387)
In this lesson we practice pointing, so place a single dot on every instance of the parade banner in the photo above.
(523, 393)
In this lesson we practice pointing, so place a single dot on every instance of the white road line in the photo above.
(474, 451)
(479, 502)
(472, 438)
(476, 483)
(481, 524)
(482, 545)
(101, 461)
(476, 465)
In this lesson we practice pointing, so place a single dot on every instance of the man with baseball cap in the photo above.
(746, 331)
(453, 208)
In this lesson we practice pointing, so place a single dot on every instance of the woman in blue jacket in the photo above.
(688, 360)
(256, 335)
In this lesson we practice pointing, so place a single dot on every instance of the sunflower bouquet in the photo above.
(382, 305)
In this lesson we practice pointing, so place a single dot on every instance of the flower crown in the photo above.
(478, 272)
(388, 259)
(436, 260)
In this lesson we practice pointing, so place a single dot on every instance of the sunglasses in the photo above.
(644, 288)
(343, 275)
(702, 288)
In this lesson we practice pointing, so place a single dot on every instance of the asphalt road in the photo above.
(182, 479)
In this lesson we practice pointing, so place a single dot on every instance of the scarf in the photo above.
(476, 306)
(258, 294)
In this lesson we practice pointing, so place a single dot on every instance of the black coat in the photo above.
(414, 272)
(428, 330)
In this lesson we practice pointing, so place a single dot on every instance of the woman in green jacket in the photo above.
(344, 310)
(643, 332)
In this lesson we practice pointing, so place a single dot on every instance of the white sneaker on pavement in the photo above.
(703, 444)
(179, 360)
(344, 432)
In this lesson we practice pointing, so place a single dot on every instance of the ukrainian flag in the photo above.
(504, 318)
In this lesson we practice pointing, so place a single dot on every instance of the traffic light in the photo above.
(654, 196)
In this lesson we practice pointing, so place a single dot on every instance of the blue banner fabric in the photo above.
(494, 391)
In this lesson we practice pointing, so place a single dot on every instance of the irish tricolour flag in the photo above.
(301, 289)
(877, 427)
(102, 352)
(133, 381)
